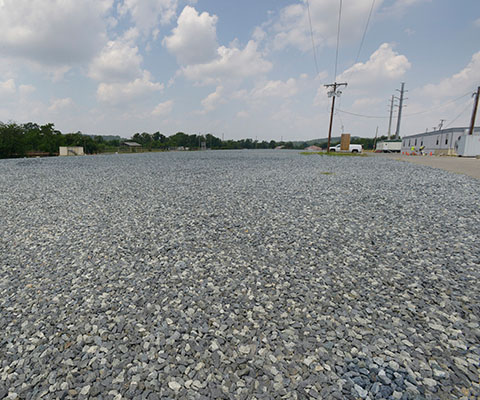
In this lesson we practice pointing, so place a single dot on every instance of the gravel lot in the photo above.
(241, 275)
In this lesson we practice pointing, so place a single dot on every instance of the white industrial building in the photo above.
(440, 142)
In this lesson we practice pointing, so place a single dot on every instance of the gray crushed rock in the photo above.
(237, 275)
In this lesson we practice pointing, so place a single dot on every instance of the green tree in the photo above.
(12, 141)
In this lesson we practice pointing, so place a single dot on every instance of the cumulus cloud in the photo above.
(119, 93)
(194, 39)
(211, 102)
(242, 114)
(277, 89)
(7, 88)
(10, 92)
(25, 90)
(118, 61)
(53, 32)
(163, 109)
(383, 65)
(457, 84)
(292, 26)
(367, 102)
(60, 104)
(231, 63)
(148, 14)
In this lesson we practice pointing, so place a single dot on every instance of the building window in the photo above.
(421, 143)
(446, 139)
(409, 142)
(437, 140)
(415, 142)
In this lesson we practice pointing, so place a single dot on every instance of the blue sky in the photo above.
(236, 68)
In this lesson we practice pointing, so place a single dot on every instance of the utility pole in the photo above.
(392, 102)
(474, 113)
(375, 141)
(333, 93)
(400, 106)
(440, 125)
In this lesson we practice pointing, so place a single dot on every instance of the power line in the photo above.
(364, 32)
(406, 115)
(361, 115)
(338, 39)
(311, 34)
(437, 107)
(468, 104)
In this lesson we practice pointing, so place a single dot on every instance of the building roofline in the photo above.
(442, 131)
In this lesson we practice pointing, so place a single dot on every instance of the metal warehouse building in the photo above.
(441, 142)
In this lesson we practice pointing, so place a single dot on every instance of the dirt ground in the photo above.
(459, 165)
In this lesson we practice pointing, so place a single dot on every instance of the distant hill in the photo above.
(333, 139)
(106, 137)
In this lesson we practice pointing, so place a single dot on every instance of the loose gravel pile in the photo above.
(237, 275)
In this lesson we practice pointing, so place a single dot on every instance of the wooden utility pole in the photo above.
(400, 106)
(392, 102)
(474, 112)
(375, 141)
(333, 93)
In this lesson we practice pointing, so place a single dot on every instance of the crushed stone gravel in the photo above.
(237, 275)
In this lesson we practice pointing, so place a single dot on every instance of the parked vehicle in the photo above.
(353, 148)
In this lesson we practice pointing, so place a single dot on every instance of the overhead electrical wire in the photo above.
(406, 115)
(311, 35)
(365, 32)
(360, 115)
(359, 48)
(468, 105)
(338, 39)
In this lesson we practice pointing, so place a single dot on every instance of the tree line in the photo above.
(30, 139)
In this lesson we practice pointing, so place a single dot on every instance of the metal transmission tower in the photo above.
(474, 112)
(333, 93)
(392, 103)
(400, 106)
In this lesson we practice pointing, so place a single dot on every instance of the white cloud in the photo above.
(458, 83)
(118, 61)
(242, 114)
(53, 32)
(25, 90)
(147, 14)
(163, 109)
(11, 93)
(292, 27)
(7, 88)
(211, 102)
(367, 102)
(383, 65)
(119, 93)
(194, 39)
(232, 63)
(277, 89)
(60, 104)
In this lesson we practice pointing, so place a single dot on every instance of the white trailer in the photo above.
(468, 146)
(389, 146)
